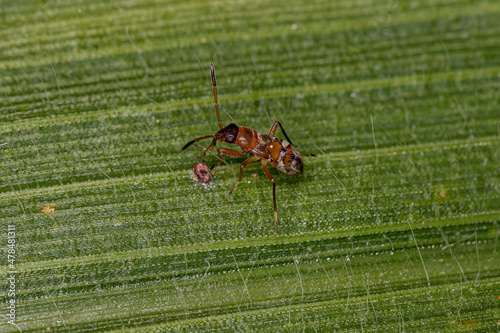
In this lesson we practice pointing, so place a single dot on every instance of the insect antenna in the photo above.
(195, 140)
(212, 73)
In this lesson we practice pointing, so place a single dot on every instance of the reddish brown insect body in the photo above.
(265, 147)
(202, 173)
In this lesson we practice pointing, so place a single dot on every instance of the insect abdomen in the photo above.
(284, 157)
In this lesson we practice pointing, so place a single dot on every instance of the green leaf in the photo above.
(393, 226)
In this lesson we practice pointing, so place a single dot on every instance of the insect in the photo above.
(202, 173)
(265, 147)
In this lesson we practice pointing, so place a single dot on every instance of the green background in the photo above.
(393, 226)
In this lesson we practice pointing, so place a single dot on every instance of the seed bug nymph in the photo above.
(265, 147)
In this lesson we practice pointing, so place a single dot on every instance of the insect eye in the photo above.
(230, 138)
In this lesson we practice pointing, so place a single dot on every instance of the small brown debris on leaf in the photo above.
(48, 209)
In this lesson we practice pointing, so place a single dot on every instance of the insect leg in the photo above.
(228, 152)
(244, 164)
(209, 148)
(270, 177)
(201, 147)
(274, 127)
